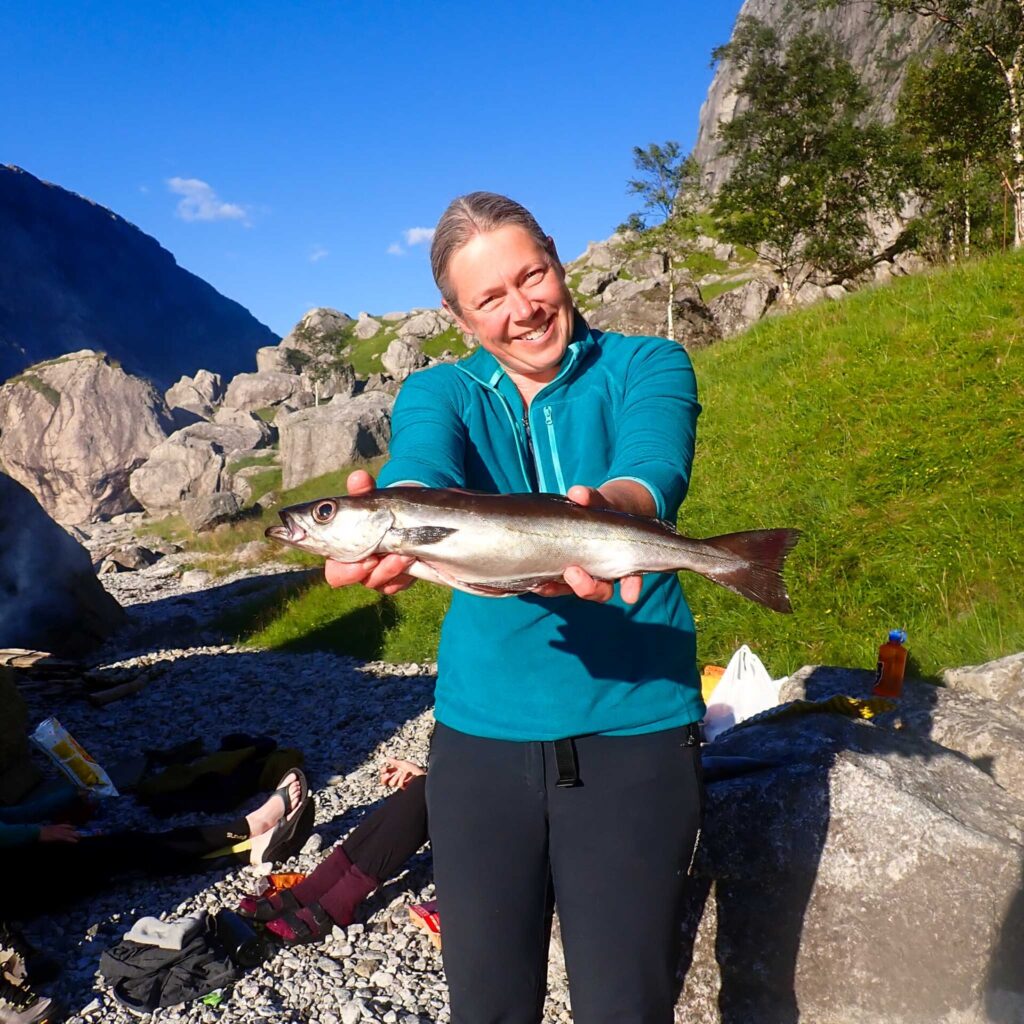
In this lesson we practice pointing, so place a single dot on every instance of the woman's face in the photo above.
(514, 299)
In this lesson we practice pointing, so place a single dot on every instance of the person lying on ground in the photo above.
(372, 853)
(56, 864)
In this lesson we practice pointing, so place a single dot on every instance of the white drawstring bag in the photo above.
(745, 689)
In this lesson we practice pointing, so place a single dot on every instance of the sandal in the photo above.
(271, 846)
(266, 908)
(297, 927)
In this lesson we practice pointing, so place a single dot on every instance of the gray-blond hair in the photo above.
(470, 215)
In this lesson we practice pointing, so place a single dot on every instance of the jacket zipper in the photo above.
(531, 459)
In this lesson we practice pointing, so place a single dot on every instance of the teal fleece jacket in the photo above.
(533, 668)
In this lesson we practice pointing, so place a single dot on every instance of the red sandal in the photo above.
(266, 908)
(297, 927)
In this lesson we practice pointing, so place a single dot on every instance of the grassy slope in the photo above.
(888, 427)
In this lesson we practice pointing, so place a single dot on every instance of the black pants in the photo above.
(384, 840)
(48, 876)
(612, 853)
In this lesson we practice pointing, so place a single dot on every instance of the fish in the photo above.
(500, 545)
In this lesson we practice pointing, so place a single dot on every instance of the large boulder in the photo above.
(313, 326)
(641, 307)
(198, 394)
(279, 359)
(424, 324)
(852, 871)
(734, 311)
(403, 356)
(366, 327)
(248, 432)
(1001, 680)
(74, 430)
(191, 463)
(50, 599)
(329, 437)
(250, 391)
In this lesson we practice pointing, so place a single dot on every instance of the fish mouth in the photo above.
(289, 533)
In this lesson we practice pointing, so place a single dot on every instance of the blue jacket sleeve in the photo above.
(657, 427)
(428, 437)
(18, 835)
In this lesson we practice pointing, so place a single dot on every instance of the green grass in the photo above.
(364, 354)
(716, 288)
(701, 263)
(887, 427)
(264, 458)
(450, 340)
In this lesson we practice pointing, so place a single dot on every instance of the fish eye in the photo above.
(323, 511)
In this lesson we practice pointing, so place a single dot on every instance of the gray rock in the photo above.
(426, 324)
(132, 556)
(736, 310)
(329, 437)
(366, 327)
(595, 282)
(882, 272)
(393, 317)
(279, 359)
(834, 292)
(250, 432)
(209, 510)
(808, 293)
(651, 265)
(1000, 680)
(198, 394)
(319, 321)
(645, 312)
(249, 391)
(724, 252)
(402, 357)
(381, 382)
(909, 263)
(844, 877)
(73, 432)
(50, 599)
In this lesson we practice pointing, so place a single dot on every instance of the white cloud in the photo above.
(417, 236)
(394, 249)
(144, 189)
(318, 253)
(200, 202)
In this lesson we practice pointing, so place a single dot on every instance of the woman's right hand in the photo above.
(387, 575)
(58, 834)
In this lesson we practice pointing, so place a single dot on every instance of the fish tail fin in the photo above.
(754, 565)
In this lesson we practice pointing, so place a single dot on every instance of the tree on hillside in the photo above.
(669, 184)
(950, 116)
(324, 351)
(994, 29)
(809, 169)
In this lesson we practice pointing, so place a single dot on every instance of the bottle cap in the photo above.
(898, 636)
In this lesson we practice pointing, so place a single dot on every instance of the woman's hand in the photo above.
(620, 496)
(397, 774)
(387, 575)
(58, 834)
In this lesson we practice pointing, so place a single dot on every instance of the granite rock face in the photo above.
(879, 48)
(853, 871)
(73, 430)
(50, 598)
(74, 275)
(329, 437)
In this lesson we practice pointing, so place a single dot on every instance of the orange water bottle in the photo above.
(892, 662)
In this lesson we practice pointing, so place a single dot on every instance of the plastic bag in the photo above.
(745, 689)
(71, 758)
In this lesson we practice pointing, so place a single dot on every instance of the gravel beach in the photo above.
(345, 716)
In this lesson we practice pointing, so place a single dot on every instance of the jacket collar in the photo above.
(486, 370)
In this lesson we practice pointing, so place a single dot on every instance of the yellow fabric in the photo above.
(840, 704)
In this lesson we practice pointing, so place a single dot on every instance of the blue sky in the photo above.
(288, 151)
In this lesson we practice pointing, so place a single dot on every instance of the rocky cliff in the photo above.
(74, 275)
(879, 48)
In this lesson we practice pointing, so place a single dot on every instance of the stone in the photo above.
(423, 325)
(75, 430)
(808, 293)
(279, 359)
(644, 311)
(316, 322)
(909, 263)
(198, 394)
(209, 510)
(835, 292)
(195, 579)
(882, 272)
(249, 391)
(646, 266)
(1001, 680)
(595, 282)
(734, 311)
(841, 864)
(330, 437)
(723, 251)
(366, 327)
(249, 433)
(132, 556)
(392, 318)
(402, 358)
(50, 599)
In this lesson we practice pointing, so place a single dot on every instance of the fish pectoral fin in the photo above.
(419, 536)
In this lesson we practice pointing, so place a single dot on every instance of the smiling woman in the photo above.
(564, 766)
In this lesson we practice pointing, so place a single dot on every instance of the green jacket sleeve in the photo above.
(657, 427)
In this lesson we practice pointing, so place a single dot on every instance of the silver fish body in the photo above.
(498, 545)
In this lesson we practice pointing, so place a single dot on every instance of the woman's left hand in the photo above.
(621, 496)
